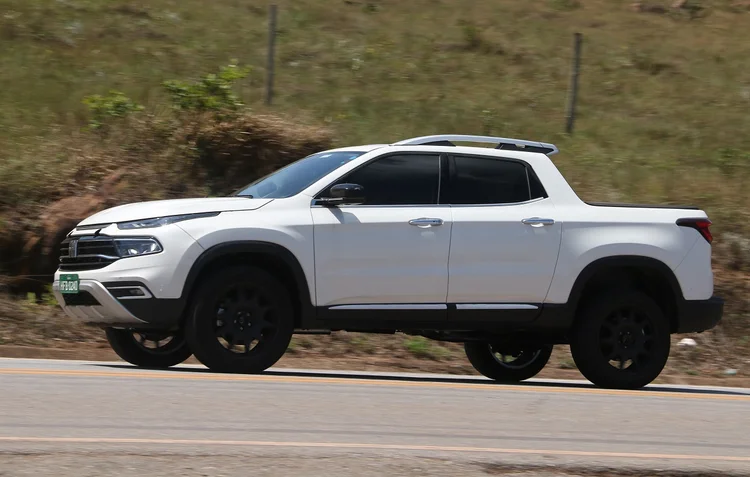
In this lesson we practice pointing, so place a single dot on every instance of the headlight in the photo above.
(161, 221)
(133, 247)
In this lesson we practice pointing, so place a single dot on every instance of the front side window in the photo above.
(297, 176)
(478, 180)
(400, 179)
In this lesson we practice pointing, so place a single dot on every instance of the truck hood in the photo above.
(162, 208)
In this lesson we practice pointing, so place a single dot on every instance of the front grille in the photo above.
(83, 298)
(87, 253)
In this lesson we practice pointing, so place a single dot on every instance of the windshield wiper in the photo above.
(245, 195)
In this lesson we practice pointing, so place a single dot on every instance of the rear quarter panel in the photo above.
(695, 274)
(590, 233)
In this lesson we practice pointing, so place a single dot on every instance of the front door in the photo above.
(391, 252)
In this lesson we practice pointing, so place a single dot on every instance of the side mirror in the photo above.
(347, 194)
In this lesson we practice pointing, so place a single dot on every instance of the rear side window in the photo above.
(479, 180)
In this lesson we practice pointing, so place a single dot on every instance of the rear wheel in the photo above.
(242, 321)
(621, 340)
(149, 349)
(505, 363)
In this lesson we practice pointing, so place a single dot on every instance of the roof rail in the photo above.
(502, 142)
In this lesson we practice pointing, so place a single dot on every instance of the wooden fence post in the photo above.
(271, 53)
(570, 116)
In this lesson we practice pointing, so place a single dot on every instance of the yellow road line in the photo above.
(352, 445)
(200, 376)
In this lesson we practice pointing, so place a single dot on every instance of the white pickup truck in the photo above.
(486, 246)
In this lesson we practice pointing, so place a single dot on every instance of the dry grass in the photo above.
(161, 158)
(23, 322)
(663, 96)
(142, 158)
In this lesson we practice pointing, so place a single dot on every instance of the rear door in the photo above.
(505, 239)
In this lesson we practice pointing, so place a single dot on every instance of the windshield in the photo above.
(297, 176)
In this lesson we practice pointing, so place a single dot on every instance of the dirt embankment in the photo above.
(144, 159)
(149, 159)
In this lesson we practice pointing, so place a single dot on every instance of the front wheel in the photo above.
(149, 349)
(502, 363)
(242, 321)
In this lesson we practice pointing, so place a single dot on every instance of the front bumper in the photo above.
(162, 275)
(696, 316)
(95, 304)
(107, 310)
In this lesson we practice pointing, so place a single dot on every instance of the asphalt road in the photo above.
(80, 418)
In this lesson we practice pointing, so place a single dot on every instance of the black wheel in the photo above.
(241, 321)
(621, 340)
(149, 349)
(503, 363)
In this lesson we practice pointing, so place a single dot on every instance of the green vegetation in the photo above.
(213, 92)
(663, 106)
(567, 363)
(293, 347)
(104, 109)
(421, 347)
(363, 344)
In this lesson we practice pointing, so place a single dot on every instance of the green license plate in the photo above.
(69, 283)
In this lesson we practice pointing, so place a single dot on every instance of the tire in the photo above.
(527, 363)
(621, 340)
(261, 327)
(134, 347)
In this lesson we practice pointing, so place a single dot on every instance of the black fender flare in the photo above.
(252, 247)
(559, 318)
(621, 261)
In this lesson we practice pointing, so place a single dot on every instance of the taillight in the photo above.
(701, 225)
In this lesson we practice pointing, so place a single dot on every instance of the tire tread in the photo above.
(123, 344)
(587, 357)
(207, 348)
(481, 359)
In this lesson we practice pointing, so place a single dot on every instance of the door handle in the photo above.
(538, 221)
(426, 222)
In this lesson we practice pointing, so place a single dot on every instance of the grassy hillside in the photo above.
(663, 113)
(664, 96)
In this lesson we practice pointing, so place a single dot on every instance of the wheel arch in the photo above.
(273, 258)
(647, 274)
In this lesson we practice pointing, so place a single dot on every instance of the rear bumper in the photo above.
(699, 315)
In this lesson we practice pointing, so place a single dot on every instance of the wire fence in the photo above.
(572, 100)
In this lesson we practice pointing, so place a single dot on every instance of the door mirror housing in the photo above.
(341, 194)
